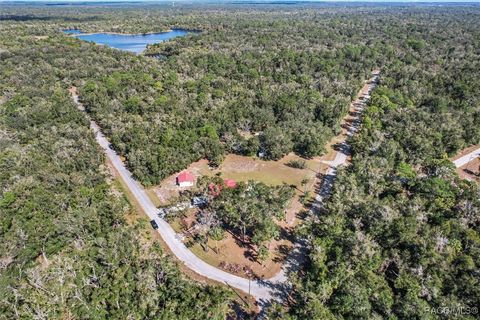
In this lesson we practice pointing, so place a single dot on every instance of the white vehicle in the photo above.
(199, 201)
(161, 213)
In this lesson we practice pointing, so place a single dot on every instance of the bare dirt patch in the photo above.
(231, 254)
(235, 256)
(465, 151)
(470, 171)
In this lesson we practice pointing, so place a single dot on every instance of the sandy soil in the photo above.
(241, 168)
(117, 33)
(470, 171)
(240, 259)
(233, 251)
(465, 151)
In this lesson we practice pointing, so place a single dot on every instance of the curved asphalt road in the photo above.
(467, 158)
(264, 291)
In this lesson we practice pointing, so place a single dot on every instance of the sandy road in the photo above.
(264, 291)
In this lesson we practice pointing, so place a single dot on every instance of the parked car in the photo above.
(199, 202)
(154, 224)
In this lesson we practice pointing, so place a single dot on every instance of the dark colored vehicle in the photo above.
(154, 224)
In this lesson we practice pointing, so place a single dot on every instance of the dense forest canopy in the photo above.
(399, 238)
(289, 94)
(400, 233)
(66, 250)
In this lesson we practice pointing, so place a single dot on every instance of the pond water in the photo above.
(128, 42)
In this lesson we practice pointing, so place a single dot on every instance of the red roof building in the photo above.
(215, 189)
(185, 179)
(230, 183)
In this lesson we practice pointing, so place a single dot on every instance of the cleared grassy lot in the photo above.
(241, 168)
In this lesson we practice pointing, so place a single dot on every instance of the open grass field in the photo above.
(148, 236)
(242, 168)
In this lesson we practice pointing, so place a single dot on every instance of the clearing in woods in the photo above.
(231, 254)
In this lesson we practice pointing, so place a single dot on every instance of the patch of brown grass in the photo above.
(470, 171)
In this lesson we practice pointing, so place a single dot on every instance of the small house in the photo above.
(185, 179)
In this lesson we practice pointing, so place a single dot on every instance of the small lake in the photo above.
(135, 43)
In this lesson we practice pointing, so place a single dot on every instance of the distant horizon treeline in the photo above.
(400, 234)
(67, 250)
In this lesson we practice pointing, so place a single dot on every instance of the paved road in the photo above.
(467, 158)
(264, 291)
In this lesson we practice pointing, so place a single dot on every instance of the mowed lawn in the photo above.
(242, 168)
